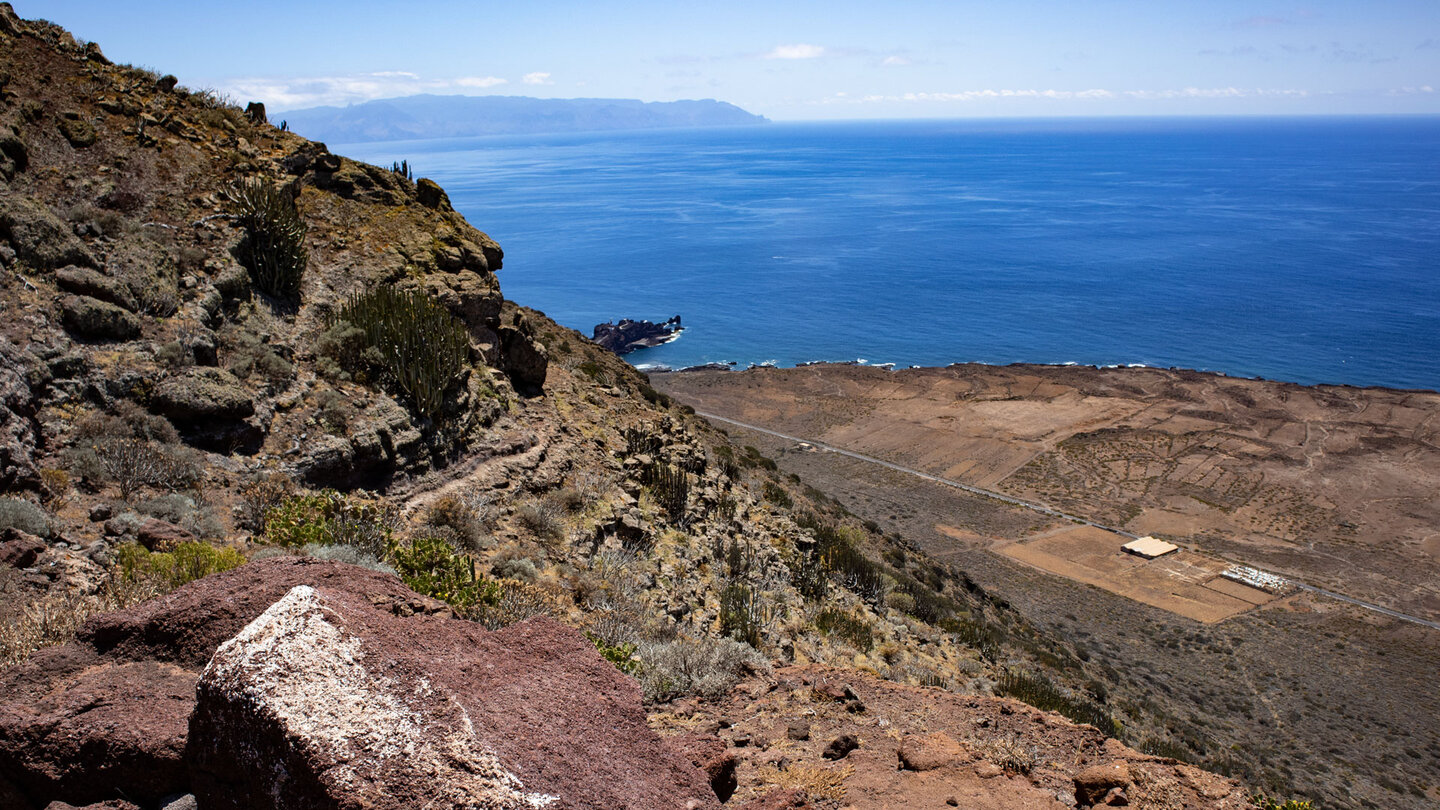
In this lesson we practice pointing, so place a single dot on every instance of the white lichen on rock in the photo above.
(296, 666)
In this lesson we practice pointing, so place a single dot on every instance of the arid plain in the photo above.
(1330, 486)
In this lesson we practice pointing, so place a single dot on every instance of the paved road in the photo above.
(1043, 509)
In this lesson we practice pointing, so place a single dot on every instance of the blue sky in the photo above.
(838, 59)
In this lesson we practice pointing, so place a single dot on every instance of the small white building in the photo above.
(1149, 547)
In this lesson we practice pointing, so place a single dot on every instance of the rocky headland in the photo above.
(628, 336)
(299, 511)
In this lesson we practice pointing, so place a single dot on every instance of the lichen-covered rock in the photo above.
(94, 319)
(202, 393)
(14, 155)
(85, 281)
(326, 701)
(79, 132)
(106, 716)
(19, 374)
(40, 238)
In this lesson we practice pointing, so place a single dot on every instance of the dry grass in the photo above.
(1010, 753)
(55, 618)
(820, 783)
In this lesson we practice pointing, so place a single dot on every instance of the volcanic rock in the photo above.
(107, 715)
(98, 320)
(708, 753)
(627, 335)
(1093, 784)
(325, 701)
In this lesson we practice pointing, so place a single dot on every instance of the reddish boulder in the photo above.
(107, 715)
(1094, 784)
(20, 549)
(159, 535)
(710, 754)
(326, 701)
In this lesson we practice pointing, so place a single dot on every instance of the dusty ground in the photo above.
(923, 748)
(1306, 695)
(1332, 485)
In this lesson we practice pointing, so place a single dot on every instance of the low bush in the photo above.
(621, 655)
(541, 520)
(518, 601)
(705, 667)
(430, 567)
(167, 571)
(459, 517)
(854, 631)
(1043, 694)
(25, 516)
(330, 518)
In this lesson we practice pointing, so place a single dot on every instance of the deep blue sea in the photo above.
(1301, 249)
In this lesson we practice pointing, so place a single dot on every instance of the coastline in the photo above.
(860, 363)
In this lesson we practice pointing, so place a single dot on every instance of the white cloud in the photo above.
(480, 81)
(536, 78)
(894, 61)
(1094, 94)
(313, 91)
(797, 51)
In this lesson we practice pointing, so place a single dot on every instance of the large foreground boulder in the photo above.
(107, 715)
(325, 702)
(328, 685)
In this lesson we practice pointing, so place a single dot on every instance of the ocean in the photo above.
(1298, 249)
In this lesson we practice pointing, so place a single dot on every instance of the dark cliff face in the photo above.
(118, 233)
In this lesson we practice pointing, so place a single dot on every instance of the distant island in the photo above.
(432, 116)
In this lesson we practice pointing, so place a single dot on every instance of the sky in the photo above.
(836, 59)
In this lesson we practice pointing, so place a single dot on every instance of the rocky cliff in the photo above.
(228, 349)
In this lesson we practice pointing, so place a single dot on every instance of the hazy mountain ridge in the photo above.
(432, 116)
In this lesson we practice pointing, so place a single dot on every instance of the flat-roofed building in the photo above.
(1149, 547)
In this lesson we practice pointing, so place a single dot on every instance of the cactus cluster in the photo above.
(402, 168)
(671, 489)
(274, 246)
(421, 347)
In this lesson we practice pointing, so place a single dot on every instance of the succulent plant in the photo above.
(422, 348)
(274, 246)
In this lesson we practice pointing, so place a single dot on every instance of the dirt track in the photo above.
(1332, 486)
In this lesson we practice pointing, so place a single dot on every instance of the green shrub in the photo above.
(1040, 692)
(742, 614)
(621, 655)
(414, 343)
(1264, 802)
(670, 488)
(776, 494)
(430, 567)
(274, 246)
(856, 632)
(330, 518)
(169, 570)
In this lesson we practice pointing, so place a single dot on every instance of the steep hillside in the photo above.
(223, 342)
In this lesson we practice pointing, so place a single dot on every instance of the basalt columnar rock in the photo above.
(627, 335)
